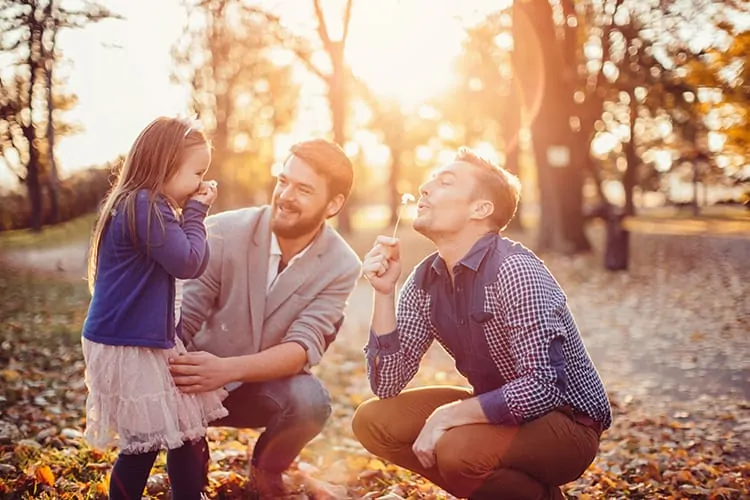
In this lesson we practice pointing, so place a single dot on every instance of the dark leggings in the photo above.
(185, 468)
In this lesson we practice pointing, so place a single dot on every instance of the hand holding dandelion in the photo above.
(405, 198)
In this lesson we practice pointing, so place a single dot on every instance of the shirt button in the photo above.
(386, 346)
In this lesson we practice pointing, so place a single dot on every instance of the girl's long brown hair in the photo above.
(156, 155)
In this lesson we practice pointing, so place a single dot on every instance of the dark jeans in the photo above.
(293, 411)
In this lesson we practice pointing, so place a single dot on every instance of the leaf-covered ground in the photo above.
(670, 338)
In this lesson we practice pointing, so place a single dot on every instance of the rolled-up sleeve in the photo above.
(393, 359)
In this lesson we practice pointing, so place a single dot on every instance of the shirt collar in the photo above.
(275, 249)
(472, 259)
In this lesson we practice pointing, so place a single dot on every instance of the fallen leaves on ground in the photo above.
(670, 338)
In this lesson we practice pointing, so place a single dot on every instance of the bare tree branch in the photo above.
(322, 28)
(306, 59)
(297, 45)
(347, 21)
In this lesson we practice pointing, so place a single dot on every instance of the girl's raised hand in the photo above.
(207, 192)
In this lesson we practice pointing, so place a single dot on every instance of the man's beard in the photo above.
(305, 224)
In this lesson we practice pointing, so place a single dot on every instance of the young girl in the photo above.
(150, 234)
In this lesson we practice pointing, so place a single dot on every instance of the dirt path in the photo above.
(66, 261)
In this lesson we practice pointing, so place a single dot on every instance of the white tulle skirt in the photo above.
(134, 404)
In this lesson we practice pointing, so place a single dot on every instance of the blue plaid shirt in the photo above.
(506, 323)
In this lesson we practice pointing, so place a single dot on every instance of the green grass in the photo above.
(73, 231)
(41, 309)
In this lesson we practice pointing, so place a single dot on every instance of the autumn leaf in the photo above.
(10, 375)
(44, 475)
(376, 464)
(102, 487)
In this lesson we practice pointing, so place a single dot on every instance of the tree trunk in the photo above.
(222, 95)
(337, 97)
(512, 165)
(696, 182)
(561, 226)
(631, 156)
(33, 183)
(221, 153)
(617, 249)
(571, 197)
(53, 181)
(511, 127)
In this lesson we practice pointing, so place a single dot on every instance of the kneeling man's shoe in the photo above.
(265, 485)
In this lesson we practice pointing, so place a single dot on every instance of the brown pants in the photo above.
(481, 461)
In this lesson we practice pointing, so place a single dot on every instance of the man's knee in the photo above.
(365, 426)
(460, 465)
(303, 397)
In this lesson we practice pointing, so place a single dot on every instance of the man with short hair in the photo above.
(268, 306)
(537, 407)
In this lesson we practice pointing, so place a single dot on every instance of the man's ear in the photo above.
(482, 209)
(335, 205)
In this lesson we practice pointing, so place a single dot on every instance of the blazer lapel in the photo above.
(257, 270)
(298, 273)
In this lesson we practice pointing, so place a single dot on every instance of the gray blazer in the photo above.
(227, 311)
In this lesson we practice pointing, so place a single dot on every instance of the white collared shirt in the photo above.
(274, 257)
